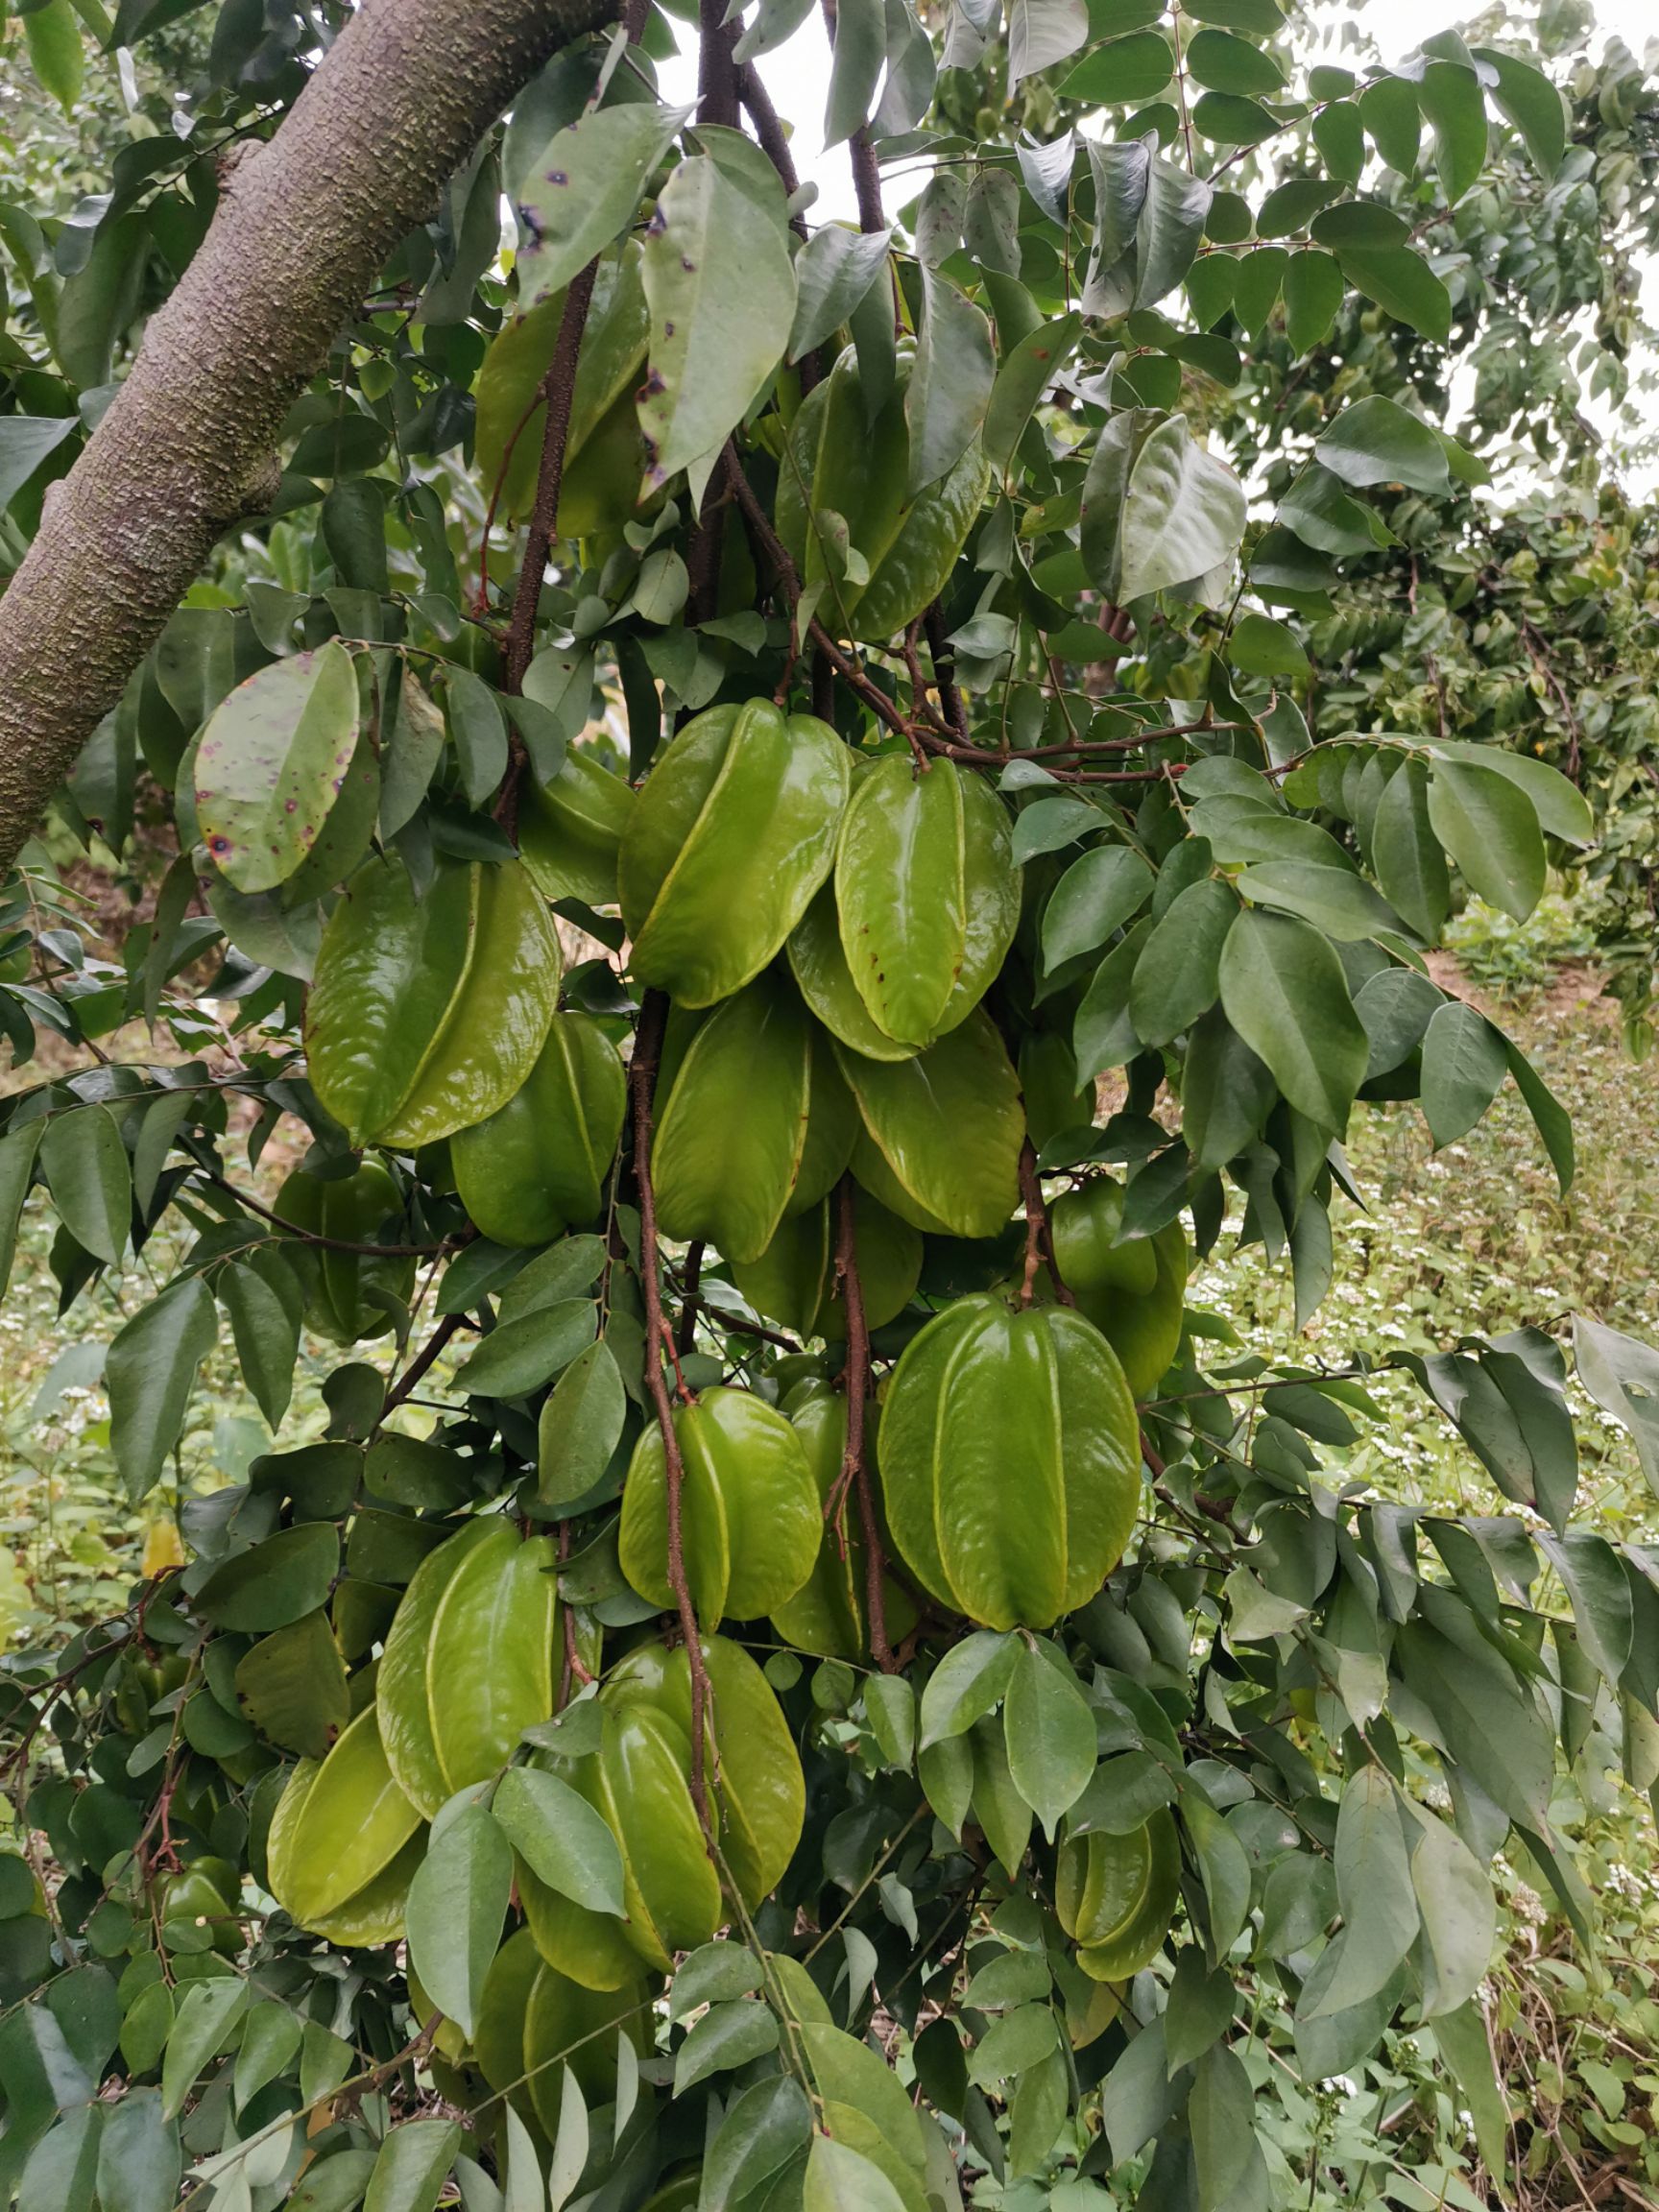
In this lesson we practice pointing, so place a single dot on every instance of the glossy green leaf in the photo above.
(1093, 898)
(1464, 1063)
(139, 2162)
(580, 1427)
(413, 2165)
(1051, 1736)
(834, 272)
(1403, 285)
(206, 2011)
(1376, 441)
(1406, 852)
(1527, 99)
(90, 1178)
(940, 1145)
(1490, 829)
(950, 389)
(1450, 98)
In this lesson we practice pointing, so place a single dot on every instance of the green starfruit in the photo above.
(1115, 1895)
(838, 462)
(1133, 1290)
(468, 1663)
(535, 2022)
(730, 836)
(344, 1840)
(1010, 1461)
(538, 1166)
(342, 1301)
(570, 829)
(926, 893)
(794, 1281)
(827, 1615)
(750, 1509)
(428, 1013)
(940, 1145)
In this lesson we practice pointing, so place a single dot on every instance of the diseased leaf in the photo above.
(581, 190)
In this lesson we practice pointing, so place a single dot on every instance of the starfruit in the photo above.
(428, 1013)
(1133, 1290)
(942, 1131)
(757, 1084)
(535, 2022)
(926, 893)
(794, 1281)
(759, 1790)
(749, 1509)
(827, 1615)
(570, 829)
(840, 463)
(345, 1841)
(602, 448)
(538, 1166)
(1115, 1895)
(826, 982)
(468, 1663)
(1010, 1461)
(639, 1782)
(731, 835)
(340, 1300)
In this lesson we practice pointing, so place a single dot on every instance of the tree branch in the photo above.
(854, 1466)
(186, 449)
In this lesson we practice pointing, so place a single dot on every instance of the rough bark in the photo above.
(304, 223)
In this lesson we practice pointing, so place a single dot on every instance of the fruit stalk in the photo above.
(642, 1082)
(1039, 1238)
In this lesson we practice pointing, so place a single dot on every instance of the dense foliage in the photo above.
(783, 828)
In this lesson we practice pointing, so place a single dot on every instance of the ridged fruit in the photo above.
(538, 1166)
(340, 1287)
(1115, 1895)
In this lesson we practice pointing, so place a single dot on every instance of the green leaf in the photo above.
(1095, 898)
(1168, 229)
(1458, 1912)
(571, 2147)
(1490, 828)
(478, 728)
(1464, 1062)
(1403, 285)
(722, 299)
(140, 2163)
(205, 2012)
(580, 1426)
(1622, 1374)
(1374, 1891)
(1042, 32)
(1227, 120)
(412, 2167)
(1261, 18)
(1562, 809)
(1225, 1092)
(291, 1686)
(950, 389)
(272, 762)
(17, 1169)
(840, 2179)
(764, 2125)
(1121, 175)
(55, 53)
(150, 1372)
(521, 1353)
(560, 1837)
(1550, 1119)
(266, 1329)
(1341, 138)
(1379, 442)
(1102, 1034)
(1049, 1729)
(583, 189)
(1527, 99)
(1051, 824)
(890, 1703)
(1594, 1580)
(89, 1176)
(275, 1582)
(1342, 905)
(1407, 855)
(834, 272)
(1313, 287)
(1449, 96)
(25, 441)
(1467, 2050)
(1389, 112)
(1223, 1868)
(1176, 977)
(1283, 990)
(861, 47)
(714, 1974)
(62, 2171)
(1225, 64)
(1122, 72)
(1025, 374)
(1221, 2113)
(970, 1678)
(1182, 519)
(726, 2037)
(457, 1902)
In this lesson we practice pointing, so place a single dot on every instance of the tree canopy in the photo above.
(708, 857)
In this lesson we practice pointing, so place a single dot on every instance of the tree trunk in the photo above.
(304, 223)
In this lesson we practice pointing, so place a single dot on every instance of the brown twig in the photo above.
(418, 1369)
(1038, 1234)
(855, 1468)
(316, 1236)
(643, 1083)
(559, 388)
(690, 1299)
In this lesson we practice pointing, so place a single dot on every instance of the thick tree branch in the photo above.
(303, 226)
